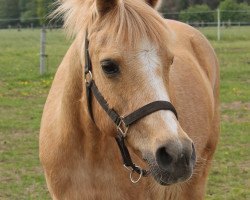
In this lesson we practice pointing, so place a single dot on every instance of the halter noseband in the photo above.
(122, 123)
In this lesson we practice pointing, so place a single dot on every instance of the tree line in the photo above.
(34, 12)
(26, 12)
(206, 10)
(179, 5)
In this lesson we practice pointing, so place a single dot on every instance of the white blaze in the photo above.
(151, 62)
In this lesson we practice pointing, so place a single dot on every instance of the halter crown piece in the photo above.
(122, 123)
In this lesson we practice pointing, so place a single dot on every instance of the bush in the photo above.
(28, 14)
(232, 11)
(197, 13)
(9, 10)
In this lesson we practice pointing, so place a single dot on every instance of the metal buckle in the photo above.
(132, 172)
(88, 77)
(122, 128)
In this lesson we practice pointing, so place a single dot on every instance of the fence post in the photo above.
(42, 51)
(218, 24)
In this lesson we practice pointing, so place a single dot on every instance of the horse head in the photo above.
(129, 49)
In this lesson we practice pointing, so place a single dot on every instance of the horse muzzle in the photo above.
(172, 163)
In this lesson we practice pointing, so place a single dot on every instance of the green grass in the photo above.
(22, 96)
(23, 93)
(227, 34)
(230, 175)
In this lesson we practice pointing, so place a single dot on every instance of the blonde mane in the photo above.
(129, 21)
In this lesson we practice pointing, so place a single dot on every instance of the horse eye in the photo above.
(110, 67)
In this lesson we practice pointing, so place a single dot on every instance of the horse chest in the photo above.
(101, 184)
(84, 180)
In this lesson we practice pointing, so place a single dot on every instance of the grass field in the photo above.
(23, 93)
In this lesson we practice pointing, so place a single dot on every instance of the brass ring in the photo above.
(131, 177)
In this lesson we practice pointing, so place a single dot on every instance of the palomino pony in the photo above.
(132, 88)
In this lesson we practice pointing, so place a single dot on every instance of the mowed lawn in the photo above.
(23, 93)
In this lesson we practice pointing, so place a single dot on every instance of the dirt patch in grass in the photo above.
(233, 50)
(245, 169)
(244, 166)
(235, 105)
(238, 112)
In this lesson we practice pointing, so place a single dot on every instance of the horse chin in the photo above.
(164, 177)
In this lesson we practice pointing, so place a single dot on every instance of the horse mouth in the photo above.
(167, 177)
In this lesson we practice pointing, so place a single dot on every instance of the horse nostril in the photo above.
(185, 159)
(163, 158)
(193, 155)
(188, 156)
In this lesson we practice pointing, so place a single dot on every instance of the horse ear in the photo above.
(154, 3)
(103, 6)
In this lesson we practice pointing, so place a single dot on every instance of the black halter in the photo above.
(122, 123)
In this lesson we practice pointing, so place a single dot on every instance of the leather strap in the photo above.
(126, 156)
(148, 109)
(134, 116)
(87, 70)
(88, 64)
(111, 113)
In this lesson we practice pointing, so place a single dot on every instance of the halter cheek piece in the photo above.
(122, 123)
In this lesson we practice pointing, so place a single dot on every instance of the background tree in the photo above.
(28, 12)
(44, 8)
(9, 9)
(178, 5)
(182, 4)
(22, 5)
(233, 11)
(244, 1)
(197, 13)
(170, 8)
